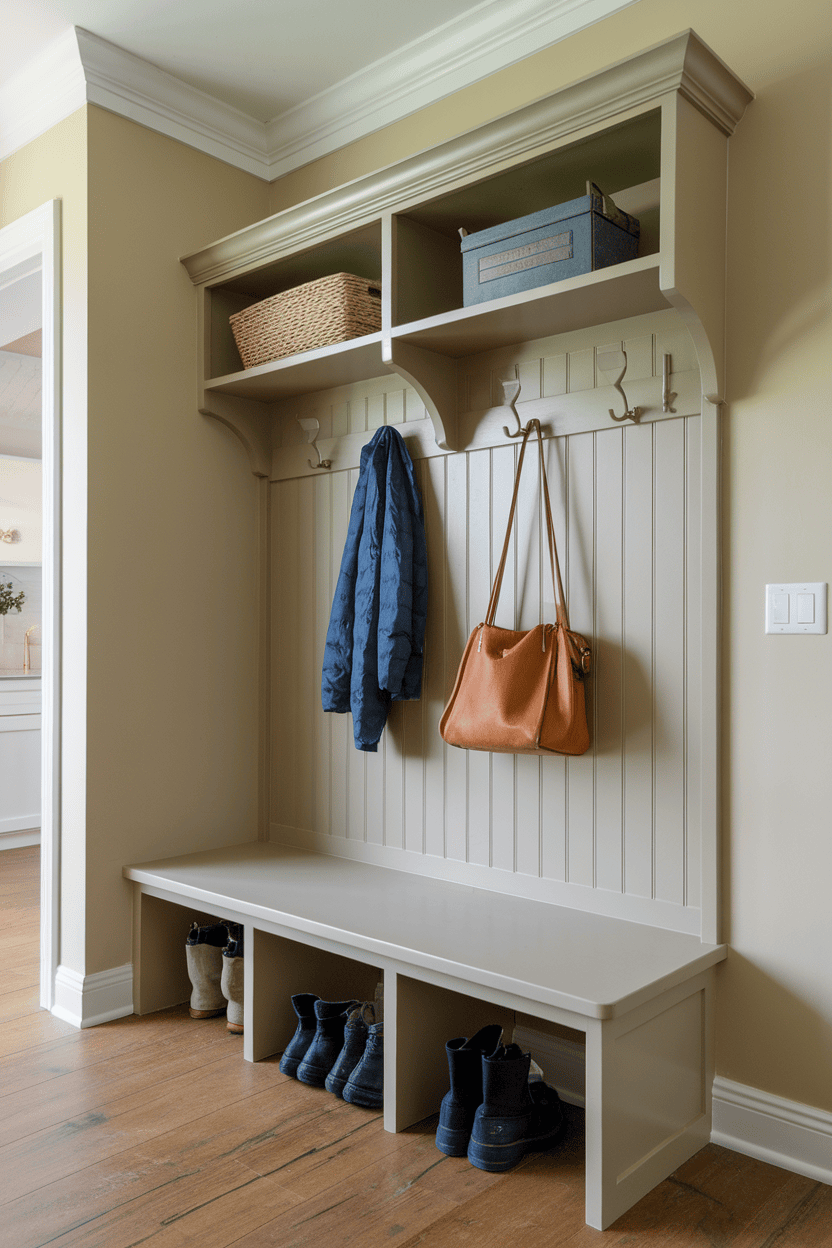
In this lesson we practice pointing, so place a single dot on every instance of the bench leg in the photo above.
(648, 1096)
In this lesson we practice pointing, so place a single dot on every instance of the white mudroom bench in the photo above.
(452, 958)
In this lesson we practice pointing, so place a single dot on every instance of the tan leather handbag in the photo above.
(522, 692)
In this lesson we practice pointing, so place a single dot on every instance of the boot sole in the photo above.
(367, 1100)
(496, 1158)
(452, 1143)
(314, 1078)
(206, 1013)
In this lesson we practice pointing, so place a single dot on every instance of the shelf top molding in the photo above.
(682, 64)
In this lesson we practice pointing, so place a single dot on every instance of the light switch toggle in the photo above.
(796, 608)
(805, 608)
(780, 608)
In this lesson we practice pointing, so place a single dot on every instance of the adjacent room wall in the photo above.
(54, 166)
(775, 993)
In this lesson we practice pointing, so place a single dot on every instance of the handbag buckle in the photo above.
(583, 666)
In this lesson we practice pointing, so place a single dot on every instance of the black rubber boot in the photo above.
(328, 1041)
(303, 1003)
(356, 1029)
(365, 1085)
(456, 1115)
(515, 1116)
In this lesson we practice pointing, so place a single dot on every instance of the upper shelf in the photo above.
(322, 369)
(624, 290)
(654, 126)
(612, 294)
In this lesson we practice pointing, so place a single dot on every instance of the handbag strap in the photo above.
(554, 563)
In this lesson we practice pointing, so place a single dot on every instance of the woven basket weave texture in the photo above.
(316, 314)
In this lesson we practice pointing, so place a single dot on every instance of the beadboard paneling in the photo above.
(615, 830)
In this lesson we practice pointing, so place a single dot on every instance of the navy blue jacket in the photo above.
(375, 640)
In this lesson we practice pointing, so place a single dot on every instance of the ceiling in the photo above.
(259, 56)
(267, 85)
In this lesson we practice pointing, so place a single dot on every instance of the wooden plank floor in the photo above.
(154, 1131)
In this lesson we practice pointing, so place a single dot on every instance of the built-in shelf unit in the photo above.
(627, 835)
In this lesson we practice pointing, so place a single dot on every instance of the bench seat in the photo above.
(454, 957)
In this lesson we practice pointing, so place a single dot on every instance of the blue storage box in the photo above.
(548, 246)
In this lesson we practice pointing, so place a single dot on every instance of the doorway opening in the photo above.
(30, 493)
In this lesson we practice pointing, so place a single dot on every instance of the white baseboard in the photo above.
(19, 839)
(86, 1000)
(562, 1062)
(785, 1133)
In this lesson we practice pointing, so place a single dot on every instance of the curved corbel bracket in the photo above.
(251, 425)
(433, 377)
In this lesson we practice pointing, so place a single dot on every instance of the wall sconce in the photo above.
(10, 536)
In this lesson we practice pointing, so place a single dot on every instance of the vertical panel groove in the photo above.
(685, 725)
(445, 664)
(624, 450)
(565, 571)
(594, 583)
(654, 430)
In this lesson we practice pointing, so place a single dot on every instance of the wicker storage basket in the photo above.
(316, 314)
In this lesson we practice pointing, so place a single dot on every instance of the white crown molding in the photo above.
(79, 67)
(45, 91)
(785, 1133)
(127, 85)
(86, 1000)
(466, 49)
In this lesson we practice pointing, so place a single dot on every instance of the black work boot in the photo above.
(327, 1043)
(365, 1085)
(303, 1003)
(456, 1115)
(356, 1027)
(515, 1115)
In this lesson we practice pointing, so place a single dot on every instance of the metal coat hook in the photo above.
(311, 427)
(511, 390)
(607, 362)
(668, 395)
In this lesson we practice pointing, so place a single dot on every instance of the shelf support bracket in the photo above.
(433, 377)
(250, 423)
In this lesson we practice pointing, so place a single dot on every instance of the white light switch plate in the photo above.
(796, 608)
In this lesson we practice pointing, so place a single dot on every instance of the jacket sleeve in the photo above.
(403, 580)
(336, 677)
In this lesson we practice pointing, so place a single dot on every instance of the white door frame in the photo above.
(38, 234)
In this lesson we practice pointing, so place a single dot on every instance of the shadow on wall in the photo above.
(757, 1022)
(780, 253)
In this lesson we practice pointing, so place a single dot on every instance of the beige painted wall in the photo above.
(172, 689)
(775, 997)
